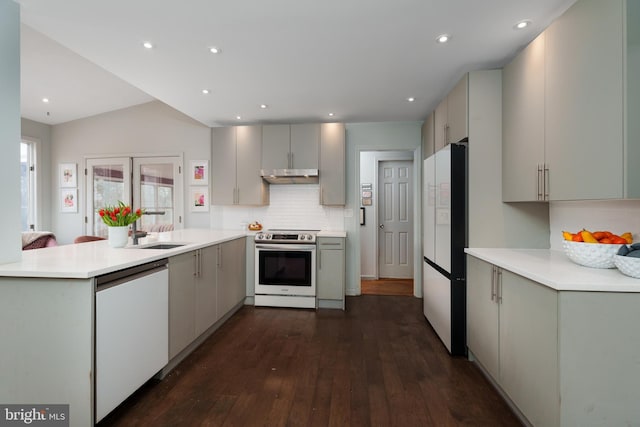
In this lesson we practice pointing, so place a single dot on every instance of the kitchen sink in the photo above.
(162, 246)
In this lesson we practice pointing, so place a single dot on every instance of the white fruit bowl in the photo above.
(628, 265)
(594, 255)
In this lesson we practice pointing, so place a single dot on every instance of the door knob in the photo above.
(381, 226)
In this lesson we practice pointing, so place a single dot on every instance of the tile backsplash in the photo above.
(616, 216)
(295, 206)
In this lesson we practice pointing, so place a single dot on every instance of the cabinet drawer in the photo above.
(331, 243)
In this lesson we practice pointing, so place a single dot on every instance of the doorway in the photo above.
(387, 181)
(151, 183)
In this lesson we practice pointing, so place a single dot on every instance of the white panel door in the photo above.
(395, 187)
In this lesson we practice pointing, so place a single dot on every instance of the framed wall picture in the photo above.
(199, 172)
(68, 175)
(199, 199)
(69, 200)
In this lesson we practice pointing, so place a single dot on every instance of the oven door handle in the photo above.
(285, 246)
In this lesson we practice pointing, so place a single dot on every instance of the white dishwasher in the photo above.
(132, 331)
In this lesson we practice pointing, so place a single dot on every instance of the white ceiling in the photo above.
(359, 59)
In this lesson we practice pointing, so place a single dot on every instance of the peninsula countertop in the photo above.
(90, 259)
(553, 269)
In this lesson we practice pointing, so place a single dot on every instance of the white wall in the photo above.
(41, 134)
(151, 128)
(617, 216)
(368, 232)
(11, 247)
(295, 206)
(399, 136)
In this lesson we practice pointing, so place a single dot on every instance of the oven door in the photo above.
(285, 269)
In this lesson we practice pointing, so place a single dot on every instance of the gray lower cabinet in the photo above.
(231, 275)
(182, 302)
(331, 169)
(564, 358)
(330, 278)
(204, 285)
(206, 279)
(512, 331)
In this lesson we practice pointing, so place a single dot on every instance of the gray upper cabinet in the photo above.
(223, 166)
(440, 125)
(523, 125)
(584, 102)
(290, 146)
(451, 115)
(633, 101)
(566, 101)
(275, 146)
(457, 111)
(236, 164)
(305, 142)
(428, 136)
(332, 164)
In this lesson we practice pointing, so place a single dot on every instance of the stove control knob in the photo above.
(259, 236)
(308, 237)
(268, 236)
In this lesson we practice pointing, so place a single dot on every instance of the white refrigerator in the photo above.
(445, 237)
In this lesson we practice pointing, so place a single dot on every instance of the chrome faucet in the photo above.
(135, 235)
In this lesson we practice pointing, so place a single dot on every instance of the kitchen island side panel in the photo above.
(599, 355)
(47, 344)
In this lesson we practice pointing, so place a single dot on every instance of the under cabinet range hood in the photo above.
(290, 176)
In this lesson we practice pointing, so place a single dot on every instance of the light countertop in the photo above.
(85, 260)
(553, 269)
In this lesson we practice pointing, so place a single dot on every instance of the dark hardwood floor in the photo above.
(378, 363)
(387, 287)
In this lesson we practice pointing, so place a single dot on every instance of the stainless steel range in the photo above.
(286, 268)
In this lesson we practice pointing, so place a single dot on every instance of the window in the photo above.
(28, 185)
(153, 183)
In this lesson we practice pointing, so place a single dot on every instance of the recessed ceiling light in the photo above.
(214, 49)
(238, 117)
(330, 114)
(522, 24)
(45, 100)
(411, 99)
(147, 45)
(264, 106)
(443, 38)
(205, 91)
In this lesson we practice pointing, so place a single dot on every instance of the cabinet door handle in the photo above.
(540, 183)
(446, 134)
(291, 162)
(493, 283)
(499, 285)
(219, 256)
(546, 182)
